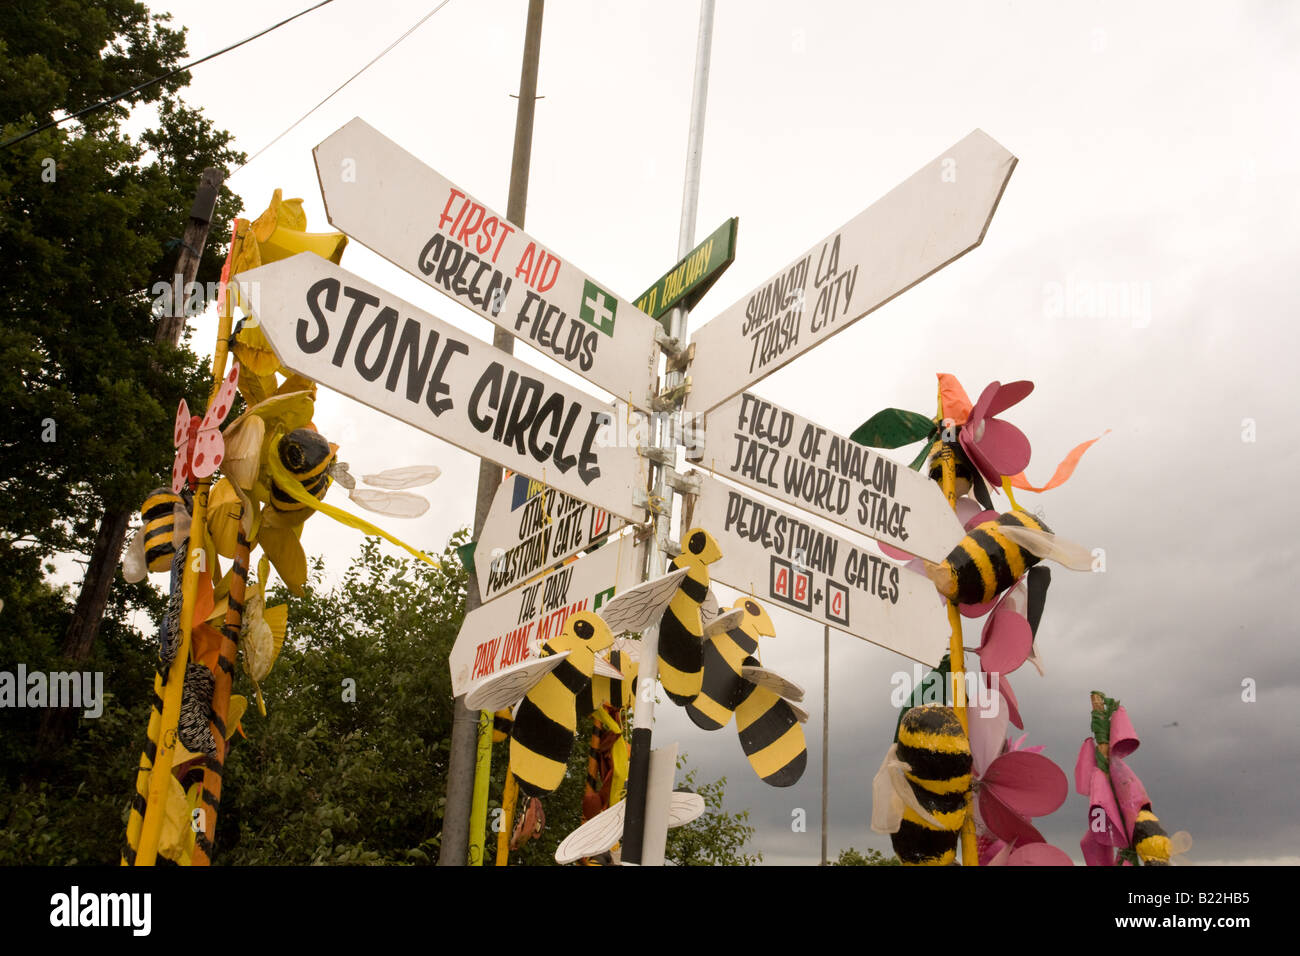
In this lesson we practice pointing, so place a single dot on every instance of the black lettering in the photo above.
(330, 289)
(359, 302)
(385, 322)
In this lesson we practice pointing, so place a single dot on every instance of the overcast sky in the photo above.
(1156, 147)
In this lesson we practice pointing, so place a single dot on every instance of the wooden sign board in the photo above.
(388, 200)
(760, 444)
(529, 528)
(352, 336)
(685, 283)
(935, 216)
(513, 627)
(778, 557)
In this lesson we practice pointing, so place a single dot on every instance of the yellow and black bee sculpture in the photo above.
(920, 792)
(681, 630)
(541, 738)
(769, 725)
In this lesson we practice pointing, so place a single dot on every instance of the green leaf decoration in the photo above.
(893, 428)
(466, 554)
(920, 459)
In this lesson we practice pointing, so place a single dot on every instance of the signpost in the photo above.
(685, 284)
(529, 528)
(512, 628)
(760, 444)
(352, 336)
(935, 216)
(784, 559)
(387, 199)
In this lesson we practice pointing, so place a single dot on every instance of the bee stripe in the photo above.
(541, 733)
(782, 761)
(919, 844)
(1150, 840)
(694, 589)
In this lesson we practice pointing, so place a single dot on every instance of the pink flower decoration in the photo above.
(1017, 786)
(1007, 639)
(994, 852)
(993, 446)
(1114, 802)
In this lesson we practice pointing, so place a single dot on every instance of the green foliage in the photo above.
(851, 857)
(325, 779)
(90, 225)
(717, 838)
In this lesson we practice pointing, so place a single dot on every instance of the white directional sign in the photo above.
(764, 446)
(921, 225)
(529, 528)
(352, 336)
(387, 199)
(513, 627)
(781, 558)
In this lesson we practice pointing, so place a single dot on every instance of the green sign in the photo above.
(685, 283)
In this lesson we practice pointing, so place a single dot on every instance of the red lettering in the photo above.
(471, 224)
(445, 218)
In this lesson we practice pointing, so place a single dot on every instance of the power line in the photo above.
(158, 79)
(339, 89)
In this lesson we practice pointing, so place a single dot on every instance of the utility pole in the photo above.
(826, 732)
(669, 433)
(89, 611)
(465, 726)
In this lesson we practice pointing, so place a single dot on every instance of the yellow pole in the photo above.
(957, 665)
(508, 800)
(151, 827)
(162, 765)
(482, 774)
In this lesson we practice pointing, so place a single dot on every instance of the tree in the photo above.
(90, 224)
(851, 857)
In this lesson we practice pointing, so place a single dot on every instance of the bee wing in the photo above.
(243, 441)
(412, 476)
(339, 472)
(394, 504)
(708, 607)
(770, 680)
(134, 567)
(1179, 842)
(1049, 546)
(683, 807)
(723, 622)
(181, 521)
(799, 712)
(639, 607)
(891, 794)
(597, 835)
(604, 668)
(509, 687)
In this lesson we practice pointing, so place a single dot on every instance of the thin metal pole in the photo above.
(826, 732)
(464, 729)
(669, 431)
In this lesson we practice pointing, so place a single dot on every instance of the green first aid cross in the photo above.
(598, 307)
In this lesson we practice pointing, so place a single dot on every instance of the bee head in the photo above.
(756, 620)
(590, 629)
(304, 450)
(699, 544)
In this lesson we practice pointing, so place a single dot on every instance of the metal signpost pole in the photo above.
(668, 431)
